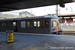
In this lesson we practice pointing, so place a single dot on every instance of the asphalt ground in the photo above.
(30, 41)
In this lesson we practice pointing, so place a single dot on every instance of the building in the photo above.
(4, 16)
(25, 14)
(67, 22)
(67, 18)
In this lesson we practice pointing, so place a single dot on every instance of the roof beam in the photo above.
(3, 2)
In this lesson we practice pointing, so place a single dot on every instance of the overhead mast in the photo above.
(57, 10)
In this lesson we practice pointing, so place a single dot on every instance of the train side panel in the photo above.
(30, 25)
(5, 25)
(33, 28)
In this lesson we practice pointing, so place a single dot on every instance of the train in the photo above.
(46, 24)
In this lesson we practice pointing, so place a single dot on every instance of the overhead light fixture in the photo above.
(62, 3)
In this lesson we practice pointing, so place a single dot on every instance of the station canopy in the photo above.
(9, 5)
(67, 15)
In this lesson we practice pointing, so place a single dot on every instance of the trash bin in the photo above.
(10, 36)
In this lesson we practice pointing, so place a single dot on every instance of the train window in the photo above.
(54, 23)
(28, 24)
(14, 23)
(0, 24)
(36, 23)
(46, 24)
(4, 24)
(23, 24)
(42, 24)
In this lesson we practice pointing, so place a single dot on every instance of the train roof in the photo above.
(46, 16)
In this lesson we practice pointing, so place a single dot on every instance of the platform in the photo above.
(28, 41)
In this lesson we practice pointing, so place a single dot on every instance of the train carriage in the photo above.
(42, 24)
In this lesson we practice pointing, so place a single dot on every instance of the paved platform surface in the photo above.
(25, 41)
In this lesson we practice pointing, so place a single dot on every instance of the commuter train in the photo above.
(42, 24)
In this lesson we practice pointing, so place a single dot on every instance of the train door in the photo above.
(14, 26)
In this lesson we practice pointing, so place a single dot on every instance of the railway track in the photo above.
(68, 33)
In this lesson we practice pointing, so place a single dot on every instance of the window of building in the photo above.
(23, 24)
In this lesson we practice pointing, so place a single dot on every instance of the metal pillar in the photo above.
(56, 10)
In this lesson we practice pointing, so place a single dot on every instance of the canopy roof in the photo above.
(8, 5)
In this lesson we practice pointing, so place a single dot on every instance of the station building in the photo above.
(67, 22)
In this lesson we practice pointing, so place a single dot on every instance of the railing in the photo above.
(67, 26)
(68, 33)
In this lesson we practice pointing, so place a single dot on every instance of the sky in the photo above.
(69, 8)
(38, 11)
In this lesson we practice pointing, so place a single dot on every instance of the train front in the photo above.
(54, 25)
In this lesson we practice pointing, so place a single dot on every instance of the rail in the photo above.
(68, 33)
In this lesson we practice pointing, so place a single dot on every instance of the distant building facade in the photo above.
(4, 16)
(25, 14)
